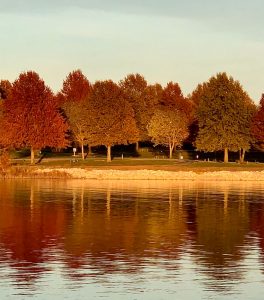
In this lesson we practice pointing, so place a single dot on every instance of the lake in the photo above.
(74, 239)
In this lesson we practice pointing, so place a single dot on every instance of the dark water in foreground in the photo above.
(131, 240)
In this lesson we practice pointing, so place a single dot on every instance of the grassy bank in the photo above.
(57, 166)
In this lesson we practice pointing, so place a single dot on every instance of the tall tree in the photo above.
(143, 99)
(257, 126)
(224, 113)
(31, 118)
(75, 92)
(78, 120)
(111, 117)
(168, 127)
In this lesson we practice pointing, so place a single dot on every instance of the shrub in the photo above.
(5, 162)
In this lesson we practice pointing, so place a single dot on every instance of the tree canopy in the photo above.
(5, 88)
(173, 98)
(76, 87)
(219, 114)
(75, 91)
(31, 118)
(257, 126)
(78, 120)
(224, 113)
(143, 99)
(111, 117)
(168, 127)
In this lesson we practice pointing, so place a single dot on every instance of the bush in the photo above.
(4, 162)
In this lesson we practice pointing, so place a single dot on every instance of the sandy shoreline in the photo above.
(110, 174)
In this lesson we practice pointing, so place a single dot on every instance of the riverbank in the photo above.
(148, 174)
(150, 170)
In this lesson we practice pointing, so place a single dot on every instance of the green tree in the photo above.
(168, 127)
(194, 99)
(111, 118)
(257, 126)
(224, 113)
(196, 95)
(172, 98)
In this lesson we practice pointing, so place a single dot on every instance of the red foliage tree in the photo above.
(31, 118)
(76, 87)
(172, 97)
(257, 127)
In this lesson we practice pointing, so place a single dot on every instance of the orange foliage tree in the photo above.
(75, 91)
(111, 120)
(168, 127)
(78, 119)
(143, 99)
(30, 116)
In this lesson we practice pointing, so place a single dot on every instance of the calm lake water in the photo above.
(131, 240)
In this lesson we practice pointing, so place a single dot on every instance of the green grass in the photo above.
(145, 157)
(70, 161)
(173, 164)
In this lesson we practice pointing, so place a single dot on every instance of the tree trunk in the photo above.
(82, 147)
(243, 155)
(137, 146)
(32, 156)
(171, 149)
(108, 154)
(226, 155)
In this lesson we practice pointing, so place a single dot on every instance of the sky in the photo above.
(164, 40)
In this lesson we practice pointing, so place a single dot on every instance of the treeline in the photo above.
(218, 115)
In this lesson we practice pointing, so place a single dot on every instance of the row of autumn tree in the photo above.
(218, 115)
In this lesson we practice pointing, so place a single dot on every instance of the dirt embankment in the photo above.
(151, 174)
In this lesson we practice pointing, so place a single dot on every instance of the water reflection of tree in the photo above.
(128, 230)
(222, 225)
(103, 229)
(256, 210)
(28, 227)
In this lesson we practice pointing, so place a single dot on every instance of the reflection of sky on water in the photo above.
(146, 240)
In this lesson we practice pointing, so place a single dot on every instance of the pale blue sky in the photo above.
(164, 40)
